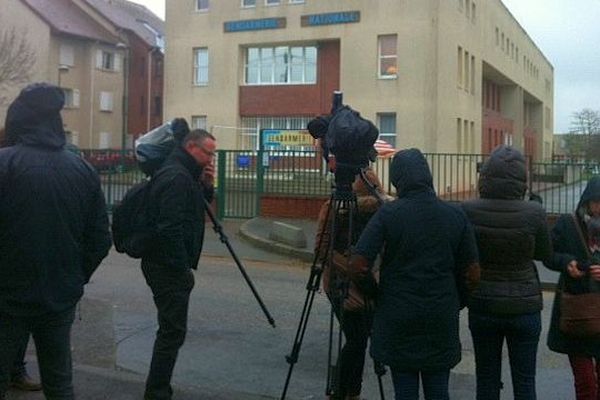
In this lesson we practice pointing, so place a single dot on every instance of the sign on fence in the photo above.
(280, 139)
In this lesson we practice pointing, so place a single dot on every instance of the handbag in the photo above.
(579, 313)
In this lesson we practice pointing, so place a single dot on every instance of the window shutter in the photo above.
(76, 98)
(99, 59)
(117, 64)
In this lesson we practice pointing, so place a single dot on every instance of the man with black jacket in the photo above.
(53, 235)
(176, 208)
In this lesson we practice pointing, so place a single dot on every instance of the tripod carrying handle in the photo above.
(218, 228)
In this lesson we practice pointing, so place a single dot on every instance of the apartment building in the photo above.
(456, 76)
(100, 58)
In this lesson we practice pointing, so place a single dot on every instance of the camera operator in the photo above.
(429, 262)
(356, 317)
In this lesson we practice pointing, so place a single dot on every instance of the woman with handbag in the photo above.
(355, 307)
(575, 324)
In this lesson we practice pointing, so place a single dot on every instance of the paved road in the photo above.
(231, 352)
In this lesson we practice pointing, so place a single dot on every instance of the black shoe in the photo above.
(25, 383)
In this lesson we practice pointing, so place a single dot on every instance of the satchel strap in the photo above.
(581, 235)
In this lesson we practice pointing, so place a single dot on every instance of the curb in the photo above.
(270, 245)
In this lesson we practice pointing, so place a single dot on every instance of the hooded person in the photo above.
(429, 262)
(511, 233)
(576, 239)
(53, 235)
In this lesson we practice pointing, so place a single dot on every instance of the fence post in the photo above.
(260, 178)
(221, 177)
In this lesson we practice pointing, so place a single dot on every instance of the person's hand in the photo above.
(208, 175)
(595, 272)
(573, 271)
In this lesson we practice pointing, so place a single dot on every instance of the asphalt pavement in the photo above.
(231, 352)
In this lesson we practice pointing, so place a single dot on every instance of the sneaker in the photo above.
(25, 383)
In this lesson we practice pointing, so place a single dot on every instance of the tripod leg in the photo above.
(380, 372)
(312, 287)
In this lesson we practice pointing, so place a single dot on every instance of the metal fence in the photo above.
(244, 177)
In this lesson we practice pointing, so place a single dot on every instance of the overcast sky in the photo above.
(567, 32)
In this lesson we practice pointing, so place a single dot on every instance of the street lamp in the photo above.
(62, 68)
(125, 105)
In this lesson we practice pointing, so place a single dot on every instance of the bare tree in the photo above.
(586, 122)
(17, 59)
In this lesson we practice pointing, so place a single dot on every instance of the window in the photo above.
(106, 101)
(459, 75)
(281, 65)
(502, 42)
(517, 54)
(199, 122)
(72, 137)
(108, 61)
(105, 139)
(202, 5)
(497, 36)
(466, 75)
(71, 98)
(66, 55)
(251, 126)
(468, 8)
(388, 56)
(272, 2)
(248, 3)
(201, 66)
(473, 10)
(472, 74)
(387, 127)
(459, 135)
(157, 106)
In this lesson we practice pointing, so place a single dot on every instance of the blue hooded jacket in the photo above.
(427, 248)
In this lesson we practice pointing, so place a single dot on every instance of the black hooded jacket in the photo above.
(53, 220)
(568, 246)
(511, 233)
(176, 207)
(427, 246)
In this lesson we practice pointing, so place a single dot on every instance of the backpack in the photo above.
(132, 229)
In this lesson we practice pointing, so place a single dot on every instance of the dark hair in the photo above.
(196, 135)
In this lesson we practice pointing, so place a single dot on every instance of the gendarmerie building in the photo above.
(446, 76)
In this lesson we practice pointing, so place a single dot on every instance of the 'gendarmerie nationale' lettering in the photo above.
(330, 18)
(254, 24)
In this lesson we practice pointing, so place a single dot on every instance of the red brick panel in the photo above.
(291, 207)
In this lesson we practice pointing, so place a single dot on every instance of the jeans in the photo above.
(586, 372)
(522, 334)
(52, 336)
(356, 328)
(171, 290)
(406, 385)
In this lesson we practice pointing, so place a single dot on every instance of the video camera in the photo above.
(348, 137)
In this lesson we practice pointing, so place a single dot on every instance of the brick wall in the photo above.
(291, 207)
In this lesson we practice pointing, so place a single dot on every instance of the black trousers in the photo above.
(171, 290)
(52, 336)
(18, 370)
(356, 326)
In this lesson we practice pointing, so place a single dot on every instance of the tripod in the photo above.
(218, 228)
(342, 202)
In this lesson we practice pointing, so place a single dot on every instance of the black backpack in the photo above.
(132, 229)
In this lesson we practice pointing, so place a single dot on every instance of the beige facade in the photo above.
(89, 69)
(449, 55)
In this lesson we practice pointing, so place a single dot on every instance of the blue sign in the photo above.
(346, 17)
(254, 24)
